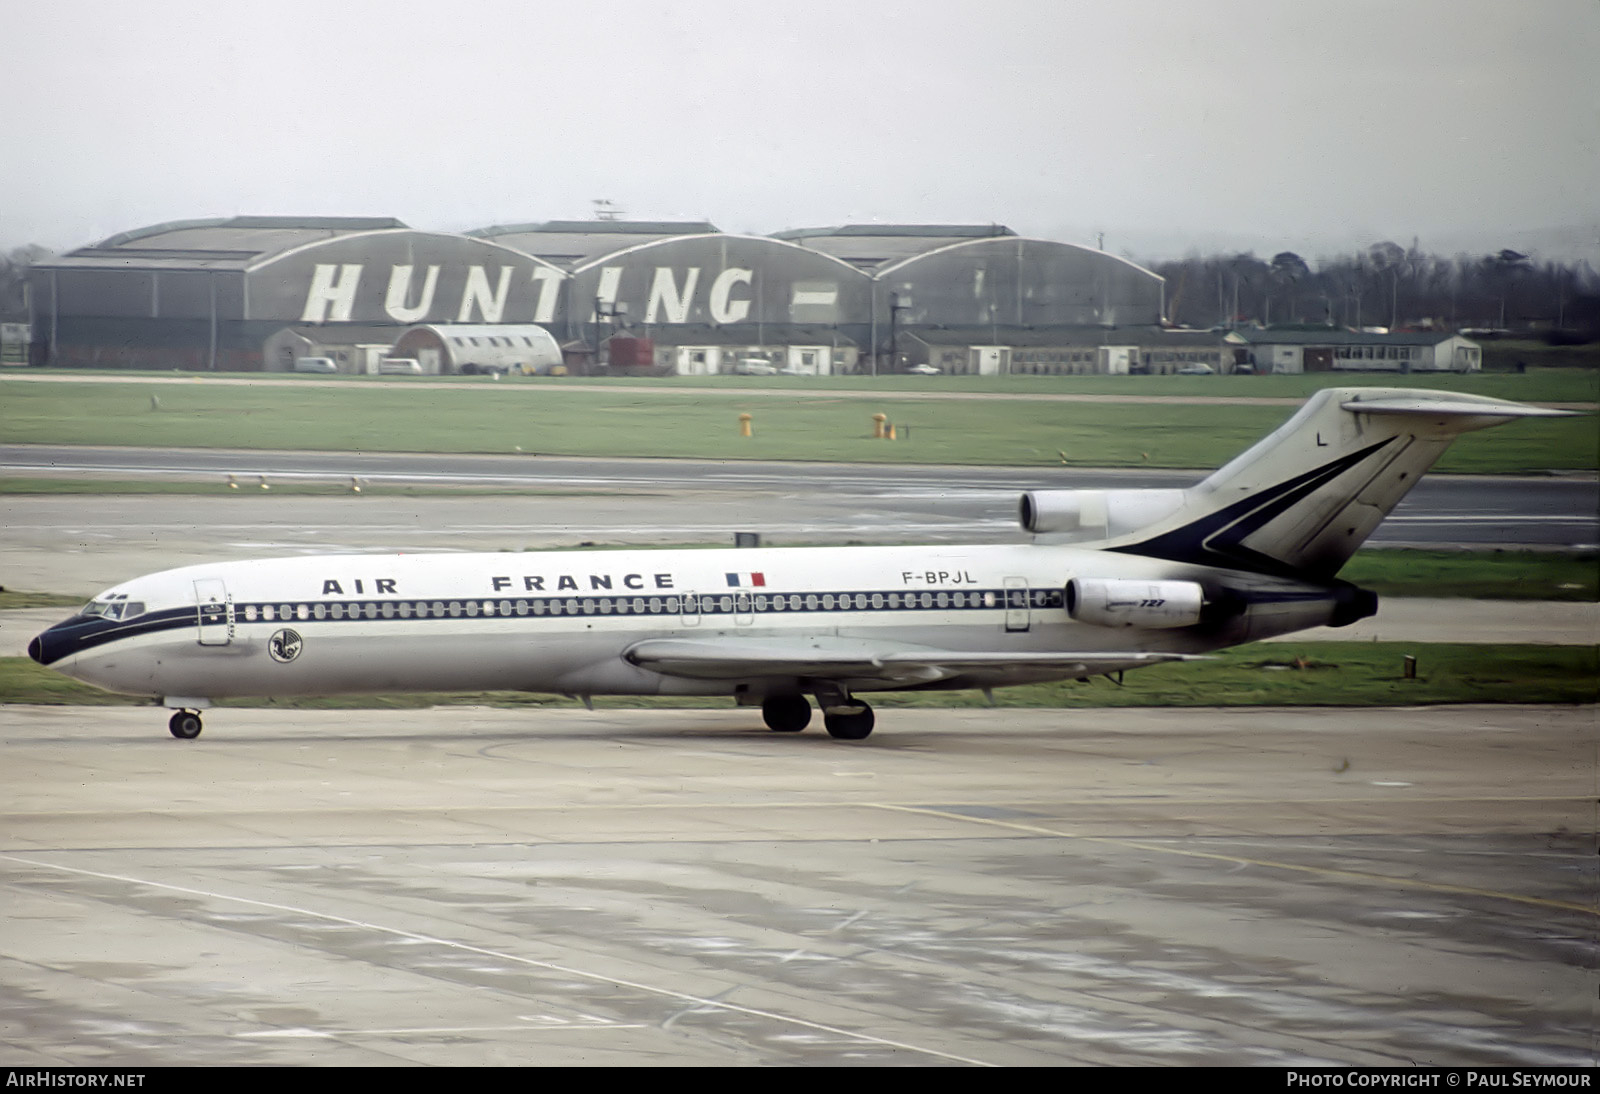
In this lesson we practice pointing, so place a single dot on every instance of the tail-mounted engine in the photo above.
(1095, 514)
(1120, 602)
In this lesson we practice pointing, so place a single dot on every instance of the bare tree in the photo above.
(14, 280)
(1289, 269)
(1505, 267)
(1389, 258)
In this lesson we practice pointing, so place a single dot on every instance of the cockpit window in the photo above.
(113, 609)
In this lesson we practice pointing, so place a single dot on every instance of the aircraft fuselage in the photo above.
(564, 622)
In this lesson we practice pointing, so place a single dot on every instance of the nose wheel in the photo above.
(185, 725)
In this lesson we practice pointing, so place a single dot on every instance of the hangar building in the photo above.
(980, 291)
(208, 294)
(214, 294)
(707, 299)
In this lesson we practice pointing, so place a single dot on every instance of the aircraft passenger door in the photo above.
(691, 609)
(744, 609)
(1018, 617)
(213, 611)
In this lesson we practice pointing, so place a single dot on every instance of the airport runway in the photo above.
(471, 886)
(807, 502)
(59, 543)
(1272, 887)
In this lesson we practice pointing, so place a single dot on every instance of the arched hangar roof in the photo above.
(721, 240)
(217, 243)
(964, 247)
(1023, 282)
(872, 246)
(571, 243)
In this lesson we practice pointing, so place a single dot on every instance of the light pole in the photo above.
(897, 304)
(604, 310)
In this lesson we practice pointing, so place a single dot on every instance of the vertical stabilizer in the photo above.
(1303, 499)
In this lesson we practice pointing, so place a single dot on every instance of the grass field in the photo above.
(1281, 674)
(561, 417)
(1477, 575)
(1538, 385)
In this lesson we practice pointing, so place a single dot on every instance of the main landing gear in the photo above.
(786, 713)
(845, 718)
(185, 725)
(854, 724)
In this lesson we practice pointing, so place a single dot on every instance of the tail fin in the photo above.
(1303, 499)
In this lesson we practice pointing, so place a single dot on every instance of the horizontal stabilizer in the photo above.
(1427, 405)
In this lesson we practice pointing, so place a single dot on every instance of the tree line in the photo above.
(1386, 285)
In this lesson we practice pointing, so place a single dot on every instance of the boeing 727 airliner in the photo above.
(1114, 580)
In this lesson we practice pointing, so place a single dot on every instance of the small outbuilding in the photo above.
(1338, 350)
(450, 349)
(354, 348)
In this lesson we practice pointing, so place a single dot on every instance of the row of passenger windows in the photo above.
(725, 604)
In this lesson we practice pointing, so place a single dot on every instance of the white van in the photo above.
(315, 364)
(399, 366)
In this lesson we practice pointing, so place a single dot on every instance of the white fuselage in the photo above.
(563, 622)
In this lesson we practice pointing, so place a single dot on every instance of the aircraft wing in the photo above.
(828, 658)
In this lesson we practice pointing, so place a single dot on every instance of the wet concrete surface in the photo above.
(682, 887)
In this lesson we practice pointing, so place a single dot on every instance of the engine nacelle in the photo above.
(1096, 514)
(1121, 602)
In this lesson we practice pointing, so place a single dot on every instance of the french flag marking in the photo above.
(746, 581)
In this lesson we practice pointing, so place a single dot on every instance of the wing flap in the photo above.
(863, 660)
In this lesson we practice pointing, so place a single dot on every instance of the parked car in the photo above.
(315, 364)
(923, 370)
(1196, 370)
(754, 366)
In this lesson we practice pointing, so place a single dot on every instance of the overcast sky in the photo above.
(1169, 125)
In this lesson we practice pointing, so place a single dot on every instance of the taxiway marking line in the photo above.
(531, 962)
(1319, 871)
(576, 807)
(560, 1027)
